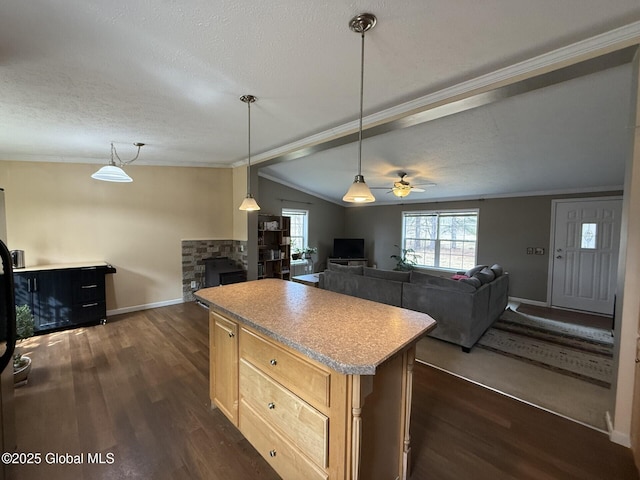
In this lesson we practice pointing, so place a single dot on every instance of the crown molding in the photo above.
(613, 40)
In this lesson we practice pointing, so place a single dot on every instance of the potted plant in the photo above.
(308, 251)
(406, 261)
(24, 329)
(296, 253)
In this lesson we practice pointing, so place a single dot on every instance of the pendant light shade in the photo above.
(111, 173)
(114, 173)
(359, 191)
(249, 203)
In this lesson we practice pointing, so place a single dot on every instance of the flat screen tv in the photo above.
(348, 248)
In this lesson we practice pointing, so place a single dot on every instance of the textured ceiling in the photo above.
(76, 76)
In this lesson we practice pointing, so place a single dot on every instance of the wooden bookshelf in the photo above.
(274, 246)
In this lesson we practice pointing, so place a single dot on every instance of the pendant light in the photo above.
(249, 204)
(113, 172)
(359, 191)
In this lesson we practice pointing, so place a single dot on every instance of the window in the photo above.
(299, 227)
(446, 240)
(589, 233)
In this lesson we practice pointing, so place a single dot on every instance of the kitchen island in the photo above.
(318, 382)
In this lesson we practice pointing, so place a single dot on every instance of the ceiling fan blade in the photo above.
(425, 185)
(414, 189)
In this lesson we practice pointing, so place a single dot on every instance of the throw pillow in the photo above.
(387, 274)
(497, 269)
(351, 269)
(485, 275)
(472, 271)
(458, 276)
(435, 281)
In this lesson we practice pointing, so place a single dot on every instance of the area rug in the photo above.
(581, 352)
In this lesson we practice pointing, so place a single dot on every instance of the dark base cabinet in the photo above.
(63, 297)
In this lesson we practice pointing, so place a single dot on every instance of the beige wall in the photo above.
(56, 213)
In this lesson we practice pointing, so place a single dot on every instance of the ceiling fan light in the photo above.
(111, 173)
(249, 204)
(359, 192)
(401, 192)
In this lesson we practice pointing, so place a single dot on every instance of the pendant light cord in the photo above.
(114, 153)
(249, 150)
(361, 107)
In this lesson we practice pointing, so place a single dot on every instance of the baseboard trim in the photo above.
(528, 302)
(618, 437)
(615, 436)
(146, 306)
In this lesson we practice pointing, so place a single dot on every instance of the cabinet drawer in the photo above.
(304, 425)
(87, 285)
(285, 458)
(301, 377)
(89, 312)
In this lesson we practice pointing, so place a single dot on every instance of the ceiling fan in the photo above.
(401, 188)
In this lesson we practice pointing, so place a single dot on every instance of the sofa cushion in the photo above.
(497, 269)
(472, 271)
(387, 274)
(370, 288)
(473, 281)
(352, 269)
(485, 275)
(420, 278)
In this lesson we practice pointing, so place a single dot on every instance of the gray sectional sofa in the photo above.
(463, 309)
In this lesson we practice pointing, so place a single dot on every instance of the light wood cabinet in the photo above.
(306, 419)
(224, 365)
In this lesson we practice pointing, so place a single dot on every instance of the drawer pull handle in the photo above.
(89, 286)
(86, 305)
(273, 362)
(231, 334)
(271, 405)
(272, 453)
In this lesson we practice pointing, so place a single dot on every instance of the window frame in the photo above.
(299, 211)
(438, 240)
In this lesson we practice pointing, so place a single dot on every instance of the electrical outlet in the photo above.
(529, 250)
(193, 284)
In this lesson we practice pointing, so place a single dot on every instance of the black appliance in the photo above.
(222, 271)
(7, 346)
(348, 248)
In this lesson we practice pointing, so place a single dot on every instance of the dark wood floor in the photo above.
(137, 387)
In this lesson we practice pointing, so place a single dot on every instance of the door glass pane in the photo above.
(589, 232)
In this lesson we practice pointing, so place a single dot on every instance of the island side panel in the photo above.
(224, 369)
(385, 420)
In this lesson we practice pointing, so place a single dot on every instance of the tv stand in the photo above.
(348, 261)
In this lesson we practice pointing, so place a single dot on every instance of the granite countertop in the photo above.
(348, 334)
(62, 266)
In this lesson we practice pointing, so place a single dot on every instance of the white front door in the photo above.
(585, 254)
